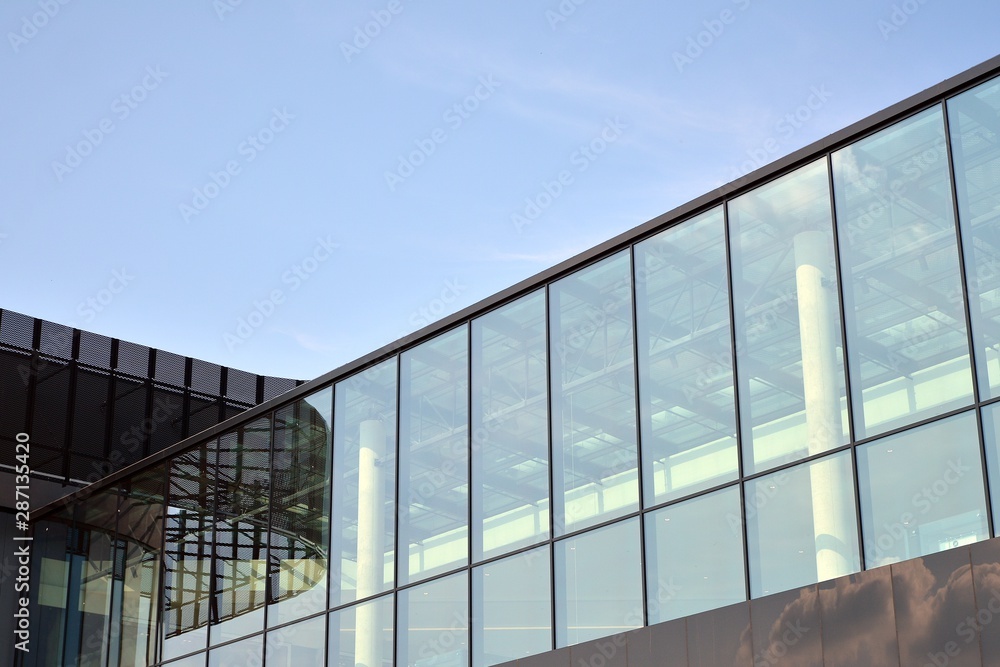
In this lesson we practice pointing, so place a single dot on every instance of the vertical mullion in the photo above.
(729, 242)
(637, 403)
(843, 291)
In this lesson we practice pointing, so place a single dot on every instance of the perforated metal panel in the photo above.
(95, 350)
(14, 370)
(81, 387)
(133, 359)
(276, 387)
(205, 377)
(242, 386)
(166, 419)
(169, 368)
(16, 329)
(90, 412)
(56, 340)
(48, 427)
(202, 414)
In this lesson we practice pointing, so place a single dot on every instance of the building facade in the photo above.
(721, 438)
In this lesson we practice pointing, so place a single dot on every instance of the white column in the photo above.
(371, 528)
(820, 379)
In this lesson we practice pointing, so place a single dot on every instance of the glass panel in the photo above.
(694, 556)
(434, 623)
(297, 645)
(300, 501)
(434, 456)
(785, 297)
(991, 434)
(240, 565)
(598, 583)
(241, 654)
(140, 538)
(595, 470)
(975, 130)
(685, 359)
(50, 587)
(802, 525)
(362, 635)
(922, 491)
(187, 554)
(907, 339)
(512, 608)
(364, 488)
(510, 442)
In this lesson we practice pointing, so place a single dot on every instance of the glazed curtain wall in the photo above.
(793, 386)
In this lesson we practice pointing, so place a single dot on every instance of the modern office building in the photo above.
(761, 429)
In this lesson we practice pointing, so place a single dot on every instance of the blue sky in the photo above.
(283, 187)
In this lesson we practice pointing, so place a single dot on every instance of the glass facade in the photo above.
(791, 384)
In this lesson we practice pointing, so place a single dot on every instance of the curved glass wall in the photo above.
(585, 457)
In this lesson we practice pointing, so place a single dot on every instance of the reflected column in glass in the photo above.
(595, 467)
(694, 556)
(239, 566)
(686, 403)
(434, 456)
(802, 525)
(787, 317)
(433, 623)
(510, 441)
(975, 149)
(922, 491)
(364, 486)
(300, 500)
(907, 339)
(187, 552)
(598, 583)
(512, 608)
